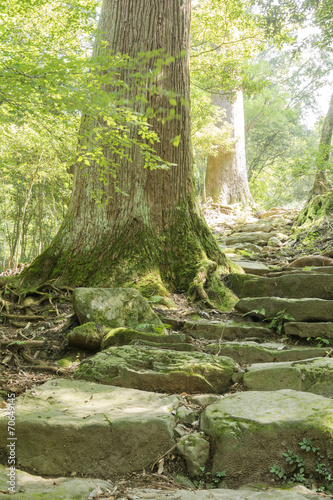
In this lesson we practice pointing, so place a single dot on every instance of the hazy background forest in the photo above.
(278, 57)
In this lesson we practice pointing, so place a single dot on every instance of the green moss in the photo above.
(124, 336)
(235, 281)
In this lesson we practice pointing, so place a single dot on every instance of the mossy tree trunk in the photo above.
(155, 238)
(226, 174)
(321, 182)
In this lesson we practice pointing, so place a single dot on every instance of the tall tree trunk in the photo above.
(155, 238)
(321, 182)
(226, 175)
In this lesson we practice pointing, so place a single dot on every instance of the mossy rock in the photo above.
(87, 336)
(252, 430)
(236, 281)
(124, 336)
(318, 208)
(159, 370)
(113, 307)
(173, 347)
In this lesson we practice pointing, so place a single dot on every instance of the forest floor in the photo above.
(32, 343)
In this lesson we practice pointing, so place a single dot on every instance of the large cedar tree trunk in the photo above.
(154, 239)
(321, 182)
(226, 175)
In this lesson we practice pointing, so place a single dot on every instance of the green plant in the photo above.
(301, 471)
(277, 321)
(208, 480)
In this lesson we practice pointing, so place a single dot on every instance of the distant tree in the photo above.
(226, 174)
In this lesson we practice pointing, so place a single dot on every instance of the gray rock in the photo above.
(30, 487)
(274, 242)
(294, 286)
(186, 415)
(300, 309)
(66, 427)
(310, 330)
(195, 449)
(312, 375)
(159, 370)
(225, 330)
(252, 352)
(258, 238)
(113, 307)
(252, 430)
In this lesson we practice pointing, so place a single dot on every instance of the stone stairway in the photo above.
(221, 399)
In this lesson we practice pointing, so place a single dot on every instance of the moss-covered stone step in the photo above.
(159, 370)
(93, 430)
(257, 237)
(225, 330)
(124, 336)
(252, 352)
(250, 493)
(310, 330)
(167, 345)
(306, 270)
(300, 309)
(251, 267)
(29, 487)
(294, 286)
(252, 430)
(312, 375)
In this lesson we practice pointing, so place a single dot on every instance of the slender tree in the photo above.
(321, 182)
(226, 174)
(153, 237)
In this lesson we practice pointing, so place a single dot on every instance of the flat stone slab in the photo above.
(113, 307)
(312, 375)
(225, 331)
(94, 430)
(294, 286)
(252, 352)
(300, 309)
(223, 494)
(310, 330)
(30, 487)
(124, 336)
(160, 370)
(258, 238)
(252, 430)
(252, 267)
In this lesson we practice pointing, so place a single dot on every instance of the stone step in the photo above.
(252, 430)
(310, 330)
(307, 271)
(251, 267)
(225, 330)
(69, 427)
(251, 493)
(312, 375)
(301, 309)
(252, 352)
(159, 370)
(294, 286)
(258, 238)
(30, 487)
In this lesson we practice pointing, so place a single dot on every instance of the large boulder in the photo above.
(251, 431)
(159, 370)
(65, 427)
(114, 307)
(299, 309)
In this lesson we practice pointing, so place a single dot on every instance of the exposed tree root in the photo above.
(43, 366)
(197, 287)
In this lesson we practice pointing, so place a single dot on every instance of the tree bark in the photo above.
(226, 175)
(155, 238)
(321, 182)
